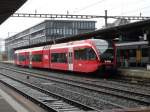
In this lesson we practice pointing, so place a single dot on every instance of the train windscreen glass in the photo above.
(105, 50)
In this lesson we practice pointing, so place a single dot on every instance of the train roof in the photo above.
(30, 49)
(61, 45)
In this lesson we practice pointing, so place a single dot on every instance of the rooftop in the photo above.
(8, 7)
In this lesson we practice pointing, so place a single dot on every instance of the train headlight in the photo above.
(107, 61)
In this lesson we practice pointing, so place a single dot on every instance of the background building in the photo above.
(49, 30)
(117, 22)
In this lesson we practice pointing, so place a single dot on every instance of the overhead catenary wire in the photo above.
(126, 11)
(140, 10)
(136, 8)
(89, 6)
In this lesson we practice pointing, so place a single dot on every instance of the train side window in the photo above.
(54, 57)
(59, 57)
(85, 54)
(145, 52)
(76, 54)
(37, 57)
(80, 54)
(132, 53)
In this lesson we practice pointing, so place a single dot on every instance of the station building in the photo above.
(49, 30)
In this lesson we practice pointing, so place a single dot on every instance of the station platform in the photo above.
(10, 62)
(11, 101)
(8, 104)
(137, 72)
(4, 105)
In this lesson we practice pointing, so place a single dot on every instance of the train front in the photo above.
(106, 52)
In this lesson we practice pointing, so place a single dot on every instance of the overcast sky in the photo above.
(14, 25)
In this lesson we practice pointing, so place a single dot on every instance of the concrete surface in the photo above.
(135, 72)
(8, 104)
(11, 101)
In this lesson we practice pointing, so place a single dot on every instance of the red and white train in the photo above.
(86, 56)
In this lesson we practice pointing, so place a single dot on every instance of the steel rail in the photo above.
(106, 102)
(91, 87)
(81, 106)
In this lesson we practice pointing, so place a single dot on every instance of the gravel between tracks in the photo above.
(51, 86)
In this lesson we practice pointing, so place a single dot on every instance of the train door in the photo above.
(70, 59)
(27, 58)
(46, 59)
(30, 59)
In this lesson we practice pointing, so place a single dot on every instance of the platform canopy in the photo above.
(8, 7)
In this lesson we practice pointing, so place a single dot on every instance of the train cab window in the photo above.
(37, 57)
(22, 58)
(80, 54)
(59, 57)
(145, 52)
(85, 54)
(90, 54)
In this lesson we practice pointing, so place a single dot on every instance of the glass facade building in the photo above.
(49, 30)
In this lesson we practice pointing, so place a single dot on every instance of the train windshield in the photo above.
(105, 50)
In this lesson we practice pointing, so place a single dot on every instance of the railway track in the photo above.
(109, 95)
(133, 80)
(47, 100)
(126, 80)
(68, 94)
(121, 80)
